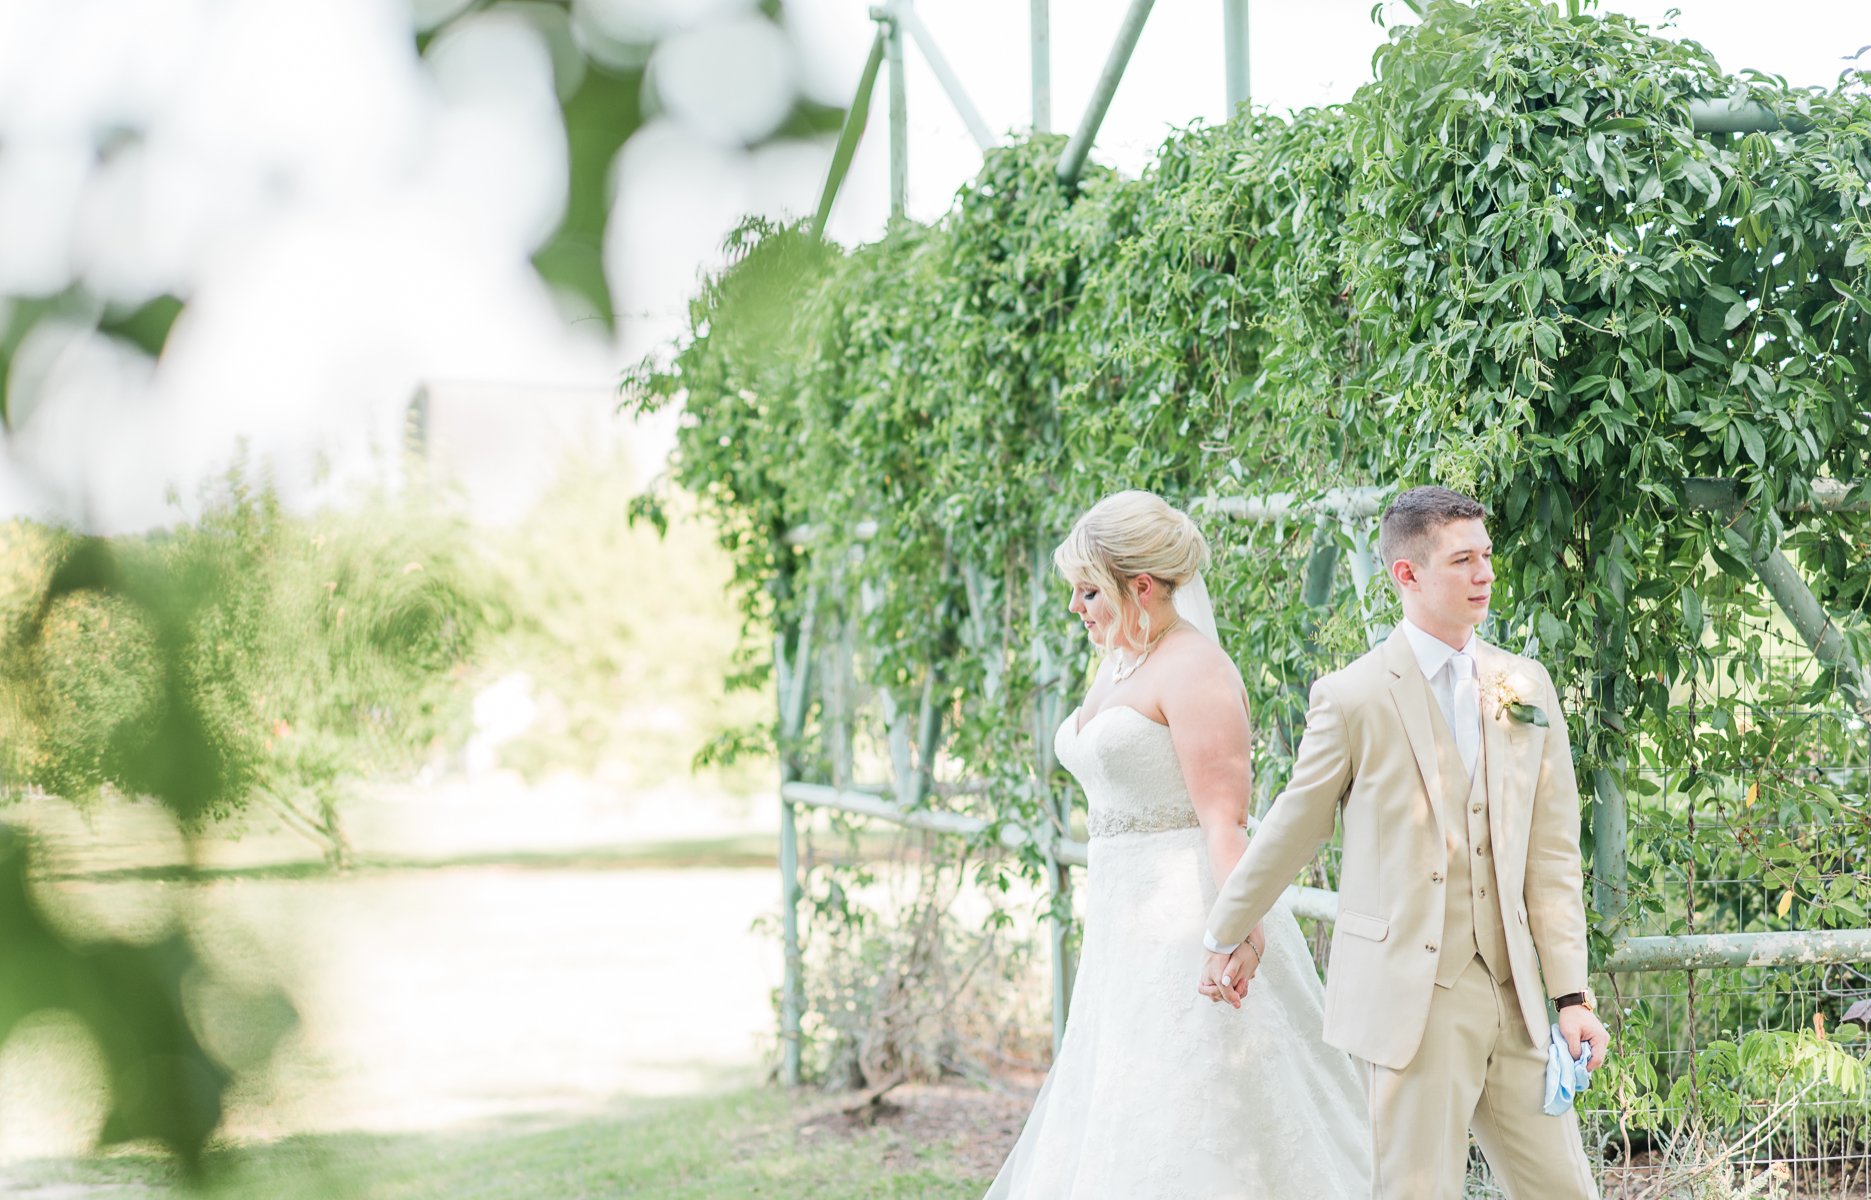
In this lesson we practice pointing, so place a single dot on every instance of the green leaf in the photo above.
(1731, 566)
(1756, 445)
(1528, 714)
(1737, 313)
(1692, 611)
(147, 327)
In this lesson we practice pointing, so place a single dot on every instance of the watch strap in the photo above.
(1568, 1000)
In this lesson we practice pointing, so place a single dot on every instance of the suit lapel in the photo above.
(1409, 691)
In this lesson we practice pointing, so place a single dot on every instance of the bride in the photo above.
(1158, 1091)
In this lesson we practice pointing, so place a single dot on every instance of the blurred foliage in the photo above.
(250, 654)
(604, 94)
(628, 634)
(163, 1083)
(300, 654)
(257, 657)
(1509, 265)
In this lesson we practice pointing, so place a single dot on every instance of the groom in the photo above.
(1460, 883)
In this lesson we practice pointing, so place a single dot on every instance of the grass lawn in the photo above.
(759, 1142)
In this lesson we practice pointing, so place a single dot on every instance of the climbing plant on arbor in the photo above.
(1510, 265)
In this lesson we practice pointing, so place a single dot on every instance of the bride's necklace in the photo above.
(1124, 671)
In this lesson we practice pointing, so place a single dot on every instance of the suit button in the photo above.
(1484, 893)
(1477, 808)
(1435, 877)
(1430, 946)
(1481, 849)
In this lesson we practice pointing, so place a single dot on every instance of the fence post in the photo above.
(792, 704)
(1807, 616)
(1315, 592)
(855, 120)
(1072, 162)
(1234, 46)
(928, 736)
(1056, 803)
(899, 124)
(1610, 808)
(1041, 34)
(905, 13)
(1062, 973)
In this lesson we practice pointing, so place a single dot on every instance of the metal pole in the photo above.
(1062, 972)
(899, 126)
(1814, 625)
(1611, 808)
(1610, 845)
(1234, 47)
(1042, 67)
(1321, 564)
(792, 700)
(945, 74)
(1072, 162)
(790, 991)
(855, 120)
(1805, 947)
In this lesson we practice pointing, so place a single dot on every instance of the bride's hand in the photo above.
(1226, 976)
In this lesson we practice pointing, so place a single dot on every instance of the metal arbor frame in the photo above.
(1352, 510)
(898, 17)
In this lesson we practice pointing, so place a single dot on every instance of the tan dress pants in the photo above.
(1476, 1067)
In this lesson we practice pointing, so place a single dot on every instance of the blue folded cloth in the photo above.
(1566, 1076)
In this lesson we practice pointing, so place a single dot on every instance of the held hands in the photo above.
(1576, 1023)
(1225, 977)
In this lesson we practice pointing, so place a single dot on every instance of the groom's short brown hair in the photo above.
(1410, 523)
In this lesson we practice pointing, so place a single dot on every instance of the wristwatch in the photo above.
(1585, 998)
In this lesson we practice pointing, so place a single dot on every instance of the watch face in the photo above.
(1591, 1000)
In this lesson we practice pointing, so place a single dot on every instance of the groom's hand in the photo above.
(1577, 1023)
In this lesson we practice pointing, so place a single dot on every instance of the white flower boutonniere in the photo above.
(1507, 694)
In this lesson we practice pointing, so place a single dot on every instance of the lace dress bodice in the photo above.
(1128, 767)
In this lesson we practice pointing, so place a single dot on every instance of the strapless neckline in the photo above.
(1079, 727)
(1129, 772)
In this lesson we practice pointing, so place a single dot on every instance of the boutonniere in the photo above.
(1508, 695)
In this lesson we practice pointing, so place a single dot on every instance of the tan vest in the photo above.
(1472, 919)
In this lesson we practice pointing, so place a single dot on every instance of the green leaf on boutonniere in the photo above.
(1528, 714)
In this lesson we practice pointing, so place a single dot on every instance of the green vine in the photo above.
(1510, 265)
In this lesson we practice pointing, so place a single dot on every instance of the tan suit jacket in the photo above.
(1369, 750)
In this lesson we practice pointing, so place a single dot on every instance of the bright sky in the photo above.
(351, 222)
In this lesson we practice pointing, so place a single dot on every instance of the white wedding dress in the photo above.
(1158, 1091)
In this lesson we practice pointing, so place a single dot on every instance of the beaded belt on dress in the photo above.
(1108, 823)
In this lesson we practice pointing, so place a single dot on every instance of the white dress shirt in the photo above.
(1453, 681)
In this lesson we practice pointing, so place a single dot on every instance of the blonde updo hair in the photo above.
(1126, 535)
